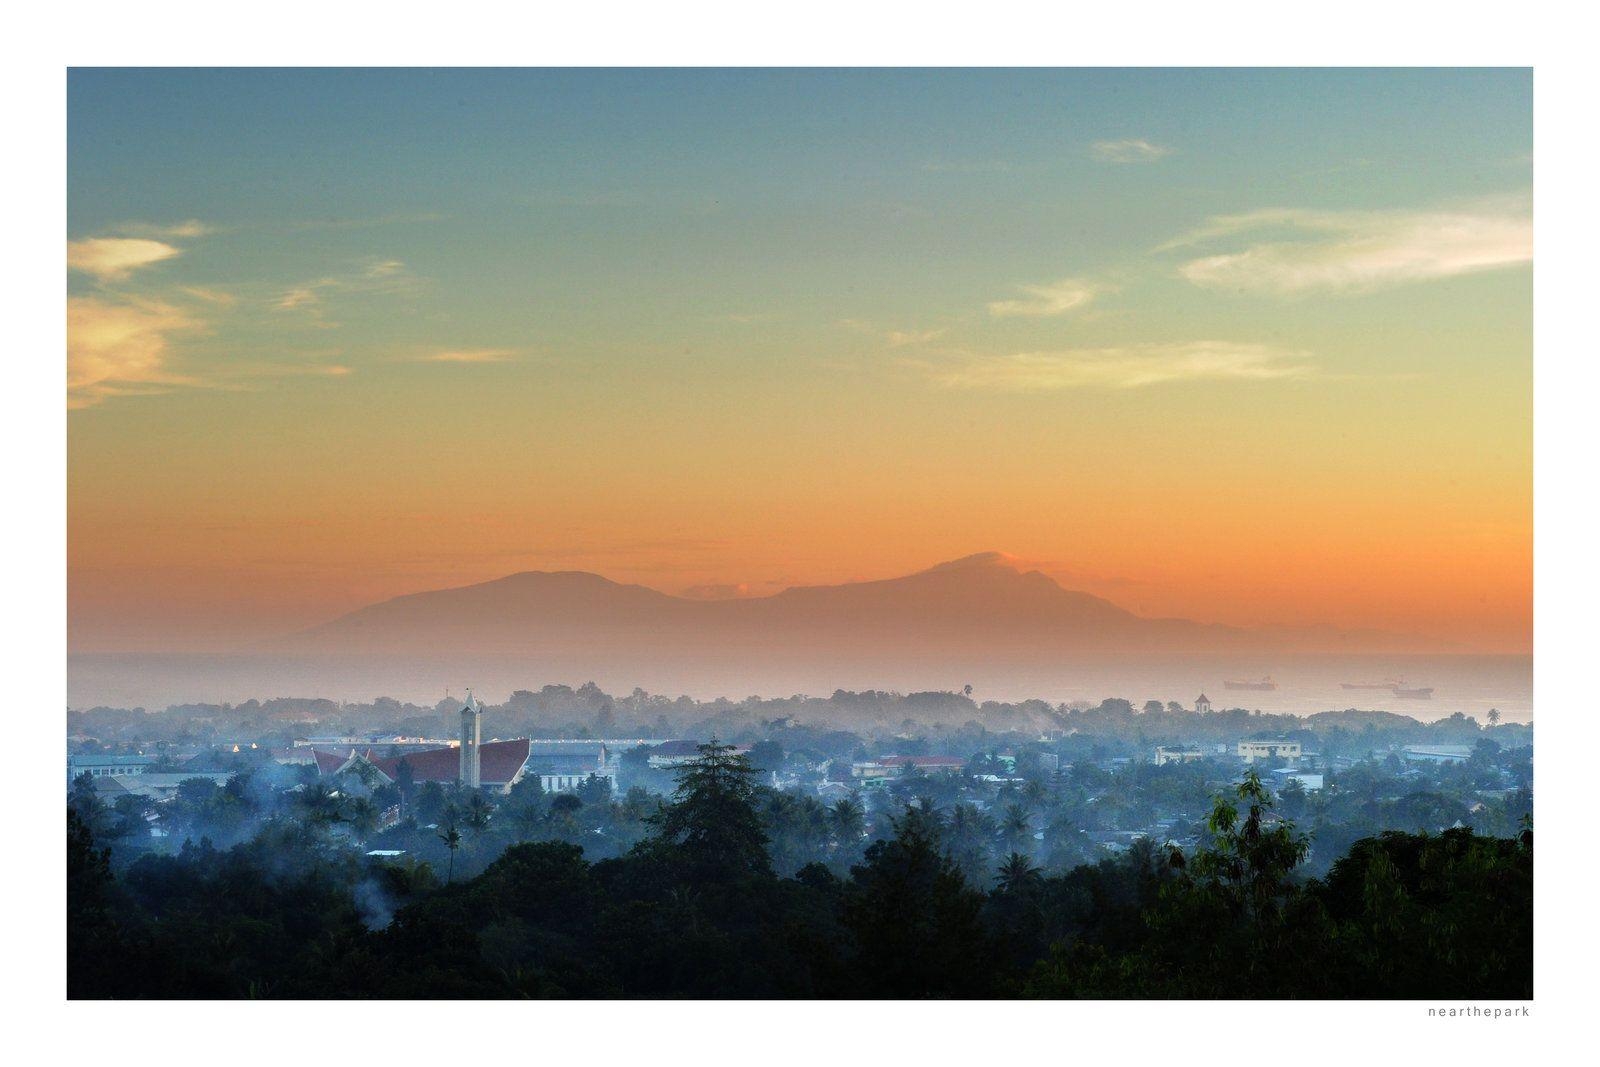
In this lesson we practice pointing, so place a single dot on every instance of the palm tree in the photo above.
(452, 841)
(848, 819)
(1494, 716)
(1015, 826)
(362, 815)
(1016, 872)
(478, 810)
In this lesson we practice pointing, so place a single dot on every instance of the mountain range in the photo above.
(982, 606)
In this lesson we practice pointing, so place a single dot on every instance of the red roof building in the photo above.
(501, 763)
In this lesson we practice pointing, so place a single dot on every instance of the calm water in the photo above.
(1468, 684)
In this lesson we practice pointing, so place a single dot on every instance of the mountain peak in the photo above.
(979, 561)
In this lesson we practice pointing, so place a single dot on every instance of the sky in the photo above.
(1250, 347)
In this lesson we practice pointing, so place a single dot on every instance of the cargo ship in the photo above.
(1419, 693)
(1266, 685)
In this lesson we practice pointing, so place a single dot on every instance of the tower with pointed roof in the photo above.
(471, 737)
(1202, 705)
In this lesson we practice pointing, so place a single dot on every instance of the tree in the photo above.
(914, 918)
(1017, 873)
(1494, 716)
(1016, 827)
(452, 841)
(712, 820)
(1250, 860)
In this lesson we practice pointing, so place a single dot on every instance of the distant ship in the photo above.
(1421, 693)
(1266, 685)
(1370, 685)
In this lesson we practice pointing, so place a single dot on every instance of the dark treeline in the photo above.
(696, 907)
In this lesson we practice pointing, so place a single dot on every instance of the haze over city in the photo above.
(802, 534)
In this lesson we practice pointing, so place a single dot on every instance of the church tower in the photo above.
(471, 735)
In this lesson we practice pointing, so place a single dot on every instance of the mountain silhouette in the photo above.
(985, 605)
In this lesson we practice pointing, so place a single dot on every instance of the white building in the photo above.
(1437, 753)
(1165, 756)
(1251, 751)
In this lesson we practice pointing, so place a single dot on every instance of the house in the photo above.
(1276, 749)
(1165, 756)
(671, 754)
(926, 764)
(151, 785)
(100, 766)
(1308, 781)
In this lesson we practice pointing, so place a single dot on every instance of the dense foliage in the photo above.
(694, 908)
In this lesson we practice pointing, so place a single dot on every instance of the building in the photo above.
(1202, 705)
(1309, 781)
(1436, 753)
(151, 785)
(471, 737)
(98, 766)
(562, 766)
(499, 764)
(671, 754)
(1165, 756)
(1251, 751)
(895, 766)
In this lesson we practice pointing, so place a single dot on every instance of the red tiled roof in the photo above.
(498, 762)
(328, 762)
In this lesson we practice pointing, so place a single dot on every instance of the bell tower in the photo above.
(471, 735)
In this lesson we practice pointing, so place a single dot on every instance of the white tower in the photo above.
(471, 735)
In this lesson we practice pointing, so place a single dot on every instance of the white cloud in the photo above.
(470, 355)
(1058, 298)
(301, 296)
(187, 228)
(1132, 150)
(1359, 251)
(377, 277)
(901, 338)
(117, 349)
(1126, 367)
(111, 259)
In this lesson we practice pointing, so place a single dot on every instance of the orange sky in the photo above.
(1202, 349)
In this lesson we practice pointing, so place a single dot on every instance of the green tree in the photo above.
(914, 918)
(1249, 859)
(452, 841)
(713, 821)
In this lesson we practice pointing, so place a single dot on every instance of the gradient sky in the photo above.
(1241, 346)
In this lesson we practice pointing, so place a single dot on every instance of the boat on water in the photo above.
(1419, 693)
(1265, 685)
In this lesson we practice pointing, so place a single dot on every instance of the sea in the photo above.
(1305, 684)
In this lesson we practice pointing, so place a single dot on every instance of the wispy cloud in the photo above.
(164, 231)
(1057, 298)
(111, 259)
(901, 338)
(1358, 251)
(220, 297)
(1130, 150)
(1126, 367)
(470, 355)
(121, 348)
(375, 277)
